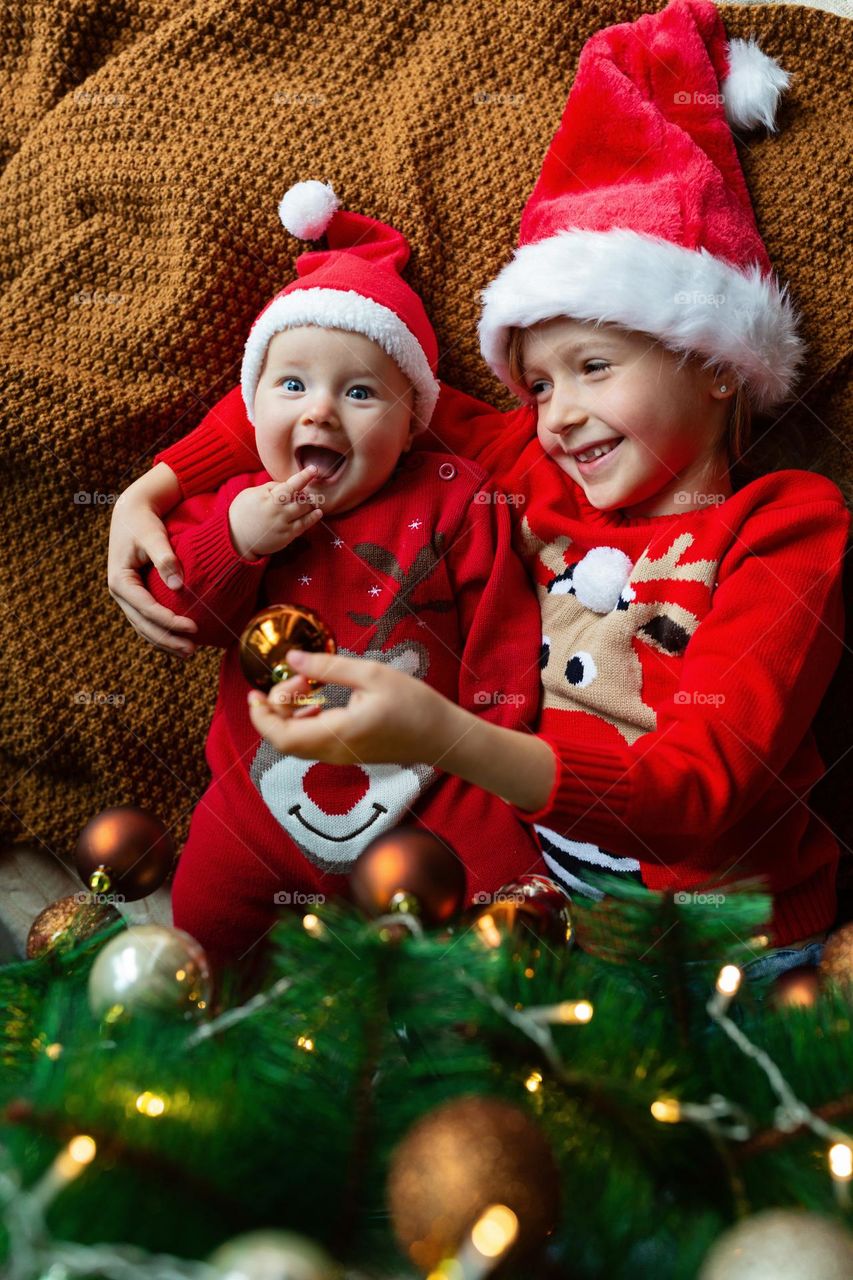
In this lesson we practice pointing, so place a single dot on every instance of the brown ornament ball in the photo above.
(532, 905)
(457, 1161)
(410, 861)
(799, 987)
(126, 852)
(270, 634)
(836, 962)
(67, 922)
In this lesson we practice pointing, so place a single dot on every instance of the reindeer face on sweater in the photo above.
(332, 812)
(597, 610)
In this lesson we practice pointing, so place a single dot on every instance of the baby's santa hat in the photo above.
(355, 285)
(641, 215)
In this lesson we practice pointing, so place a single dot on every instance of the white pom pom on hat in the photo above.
(753, 86)
(307, 208)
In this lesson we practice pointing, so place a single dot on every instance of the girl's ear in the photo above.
(724, 383)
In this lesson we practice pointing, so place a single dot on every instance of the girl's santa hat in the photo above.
(641, 216)
(355, 285)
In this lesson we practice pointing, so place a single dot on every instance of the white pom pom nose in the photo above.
(307, 208)
(752, 89)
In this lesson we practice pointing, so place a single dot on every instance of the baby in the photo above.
(406, 557)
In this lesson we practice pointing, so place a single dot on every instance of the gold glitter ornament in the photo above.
(67, 922)
(270, 634)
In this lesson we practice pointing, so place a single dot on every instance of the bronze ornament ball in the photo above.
(409, 861)
(124, 851)
(459, 1160)
(65, 923)
(836, 962)
(796, 988)
(268, 636)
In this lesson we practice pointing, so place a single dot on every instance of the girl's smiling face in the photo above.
(661, 418)
(337, 400)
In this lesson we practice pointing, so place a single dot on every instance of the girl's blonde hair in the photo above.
(738, 424)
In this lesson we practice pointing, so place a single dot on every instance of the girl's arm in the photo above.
(221, 446)
(138, 537)
(392, 717)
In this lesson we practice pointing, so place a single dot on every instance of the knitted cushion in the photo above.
(146, 145)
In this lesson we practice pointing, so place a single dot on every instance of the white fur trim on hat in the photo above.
(307, 208)
(341, 309)
(753, 86)
(688, 299)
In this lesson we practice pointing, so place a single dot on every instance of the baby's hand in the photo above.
(268, 517)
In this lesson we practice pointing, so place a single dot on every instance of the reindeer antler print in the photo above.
(385, 561)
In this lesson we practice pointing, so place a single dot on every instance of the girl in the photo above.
(689, 630)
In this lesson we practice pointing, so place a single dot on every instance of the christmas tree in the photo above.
(513, 1092)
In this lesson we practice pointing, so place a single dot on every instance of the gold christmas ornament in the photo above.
(67, 922)
(836, 962)
(409, 869)
(270, 634)
(150, 968)
(781, 1244)
(457, 1162)
(124, 851)
(273, 1255)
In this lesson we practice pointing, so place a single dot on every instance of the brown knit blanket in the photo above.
(145, 146)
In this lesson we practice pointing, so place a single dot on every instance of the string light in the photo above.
(150, 1104)
(68, 1165)
(841, 1168)
(491, 1237)
(306, 1043)
(567, 1012)
(533, 1082)
(791, 1114)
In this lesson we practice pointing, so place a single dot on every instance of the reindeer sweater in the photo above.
(422, 576)
(683, 659)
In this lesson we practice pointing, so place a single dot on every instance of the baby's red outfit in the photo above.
(422, 576)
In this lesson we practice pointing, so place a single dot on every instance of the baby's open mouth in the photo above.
(327, 461)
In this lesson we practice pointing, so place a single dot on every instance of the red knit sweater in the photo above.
(683, 663)
(421, 576)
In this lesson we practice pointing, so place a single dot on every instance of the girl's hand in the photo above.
(391, 717)
(268, 517)
(137, 537)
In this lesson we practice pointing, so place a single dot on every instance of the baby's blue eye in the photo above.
(293, 384)
(596, 366)
(360, 393)
(537, 387)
